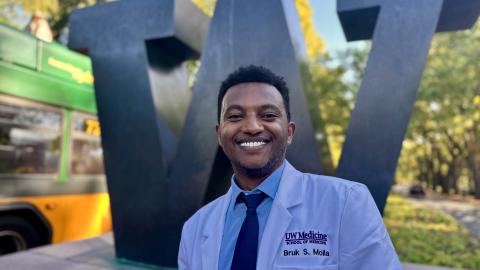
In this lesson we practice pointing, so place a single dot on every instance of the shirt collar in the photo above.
(269, 186)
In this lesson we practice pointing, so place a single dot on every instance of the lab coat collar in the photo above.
(212, 233)
(268, 186)
(289, 195)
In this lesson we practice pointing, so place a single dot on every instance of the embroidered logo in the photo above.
(304, 237)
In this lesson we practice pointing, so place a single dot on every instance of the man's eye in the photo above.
(269, 116)
(234, 117)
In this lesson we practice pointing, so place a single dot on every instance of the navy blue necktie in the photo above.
(245, 255)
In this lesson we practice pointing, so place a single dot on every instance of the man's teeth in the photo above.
(251, 144)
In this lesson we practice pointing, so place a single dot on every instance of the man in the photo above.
(273, 216)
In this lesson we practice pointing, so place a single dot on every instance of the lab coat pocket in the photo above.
(305, 267)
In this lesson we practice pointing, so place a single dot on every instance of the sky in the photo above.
(328, 26)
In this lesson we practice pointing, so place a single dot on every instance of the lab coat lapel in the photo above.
(213, 232)
(289, 194)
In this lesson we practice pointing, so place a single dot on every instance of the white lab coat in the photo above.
(347, 230)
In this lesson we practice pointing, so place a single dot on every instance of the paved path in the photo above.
(466, 213)
(94, 254)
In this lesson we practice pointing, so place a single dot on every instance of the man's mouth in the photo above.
(252, 143)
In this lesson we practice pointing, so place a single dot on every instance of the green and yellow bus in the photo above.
(52, 183)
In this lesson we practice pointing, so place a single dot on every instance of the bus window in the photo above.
(30, 137)
(87, 155)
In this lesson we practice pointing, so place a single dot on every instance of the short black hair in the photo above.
(258, 74)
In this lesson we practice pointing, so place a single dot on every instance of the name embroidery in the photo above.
(306, 252)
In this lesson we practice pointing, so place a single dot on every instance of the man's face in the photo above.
(254, 131)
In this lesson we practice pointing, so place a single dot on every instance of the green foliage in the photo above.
(427, 236)
(47, 6)
(13, 12)
(10, 14)
(59, 19)
(442, 148)
(331, 86)
(17, 12)
(312, 95)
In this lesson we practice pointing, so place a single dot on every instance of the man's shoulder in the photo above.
(206, 211)
(316, 187)
(320, 186)
(321, 181)
(329, 181)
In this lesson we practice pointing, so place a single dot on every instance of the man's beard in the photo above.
(257, 172)
(266, 169)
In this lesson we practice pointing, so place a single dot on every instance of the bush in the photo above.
(427, 236)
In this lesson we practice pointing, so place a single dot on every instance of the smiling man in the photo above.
(273, 216)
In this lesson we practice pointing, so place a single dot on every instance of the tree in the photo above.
(14, 12)
(442, 148)
(334, 85)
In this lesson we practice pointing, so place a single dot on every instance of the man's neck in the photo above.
(246, 182)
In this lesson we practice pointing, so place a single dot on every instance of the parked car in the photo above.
(417, 191)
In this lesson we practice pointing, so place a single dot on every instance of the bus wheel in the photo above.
(17, 234)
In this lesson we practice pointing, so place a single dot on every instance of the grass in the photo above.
(427, 236)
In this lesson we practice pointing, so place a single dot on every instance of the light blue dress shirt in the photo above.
(236, 213)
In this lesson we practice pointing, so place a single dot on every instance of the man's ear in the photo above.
(291, 132)
(217, 130)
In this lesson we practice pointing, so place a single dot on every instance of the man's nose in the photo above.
(252, 125)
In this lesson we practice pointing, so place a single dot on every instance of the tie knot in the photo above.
(252, 200)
